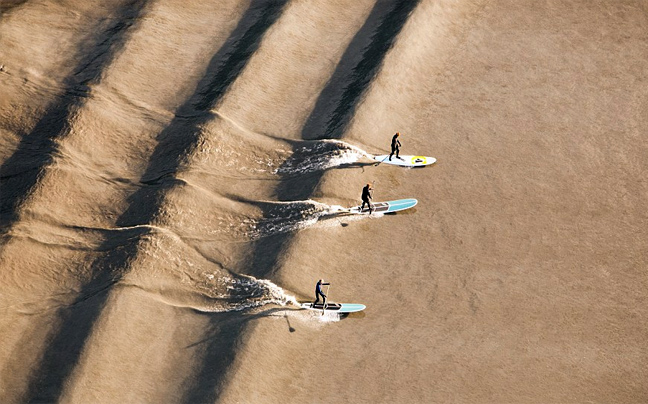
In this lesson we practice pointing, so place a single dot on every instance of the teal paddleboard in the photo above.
(386, 207)
(335, 307)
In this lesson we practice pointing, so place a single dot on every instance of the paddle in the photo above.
(324, 305)
(382, 160)
(373, 187)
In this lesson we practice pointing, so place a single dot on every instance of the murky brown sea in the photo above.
(168, 177)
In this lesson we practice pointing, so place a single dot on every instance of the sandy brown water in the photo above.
(170, 173)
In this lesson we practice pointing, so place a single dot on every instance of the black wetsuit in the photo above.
(395, 146)
(318, 292)
(366, 196)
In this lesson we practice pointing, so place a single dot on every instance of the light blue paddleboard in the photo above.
(386, 207)
(335, 307)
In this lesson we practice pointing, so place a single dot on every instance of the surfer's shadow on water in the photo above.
(292, 313)
(355, 165)
(240, 318)
(408, 212)
(345, 218)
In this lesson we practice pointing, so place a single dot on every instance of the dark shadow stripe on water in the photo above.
(358, 66)
(21, 172)
(9, 5)
(225, 330)
(352, 76)
(174, 143)
(338, 101)
(224, 337)
(218, 352)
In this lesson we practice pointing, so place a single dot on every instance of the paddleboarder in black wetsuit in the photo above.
(366, 197)
(395, 146)
(318, 292)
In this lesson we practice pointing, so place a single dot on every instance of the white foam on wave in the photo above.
(289, 216)
(337, 221)
(321, 155)
(327, 317)
(313, 318)
(298, 215)
(245, 292)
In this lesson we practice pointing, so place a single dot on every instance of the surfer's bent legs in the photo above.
(318, 291)
(317, 296)
(368, 204)
(394, 150)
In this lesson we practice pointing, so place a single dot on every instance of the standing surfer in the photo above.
(318, 292)
(395, 146)
(366, 198)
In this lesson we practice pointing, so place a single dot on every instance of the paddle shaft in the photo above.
(328, 287)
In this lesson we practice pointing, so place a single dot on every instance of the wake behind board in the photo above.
(406, 161)
(386, 207)
(335, 307)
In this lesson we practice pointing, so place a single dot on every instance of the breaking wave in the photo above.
(320, 155)
(283, 217)
(242, 292)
